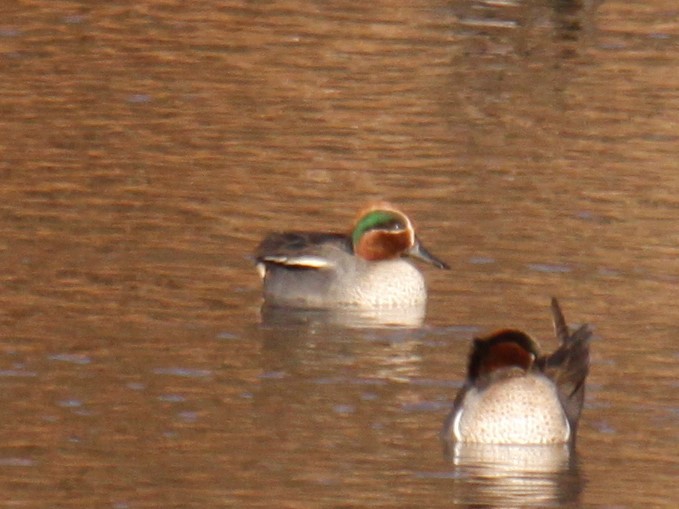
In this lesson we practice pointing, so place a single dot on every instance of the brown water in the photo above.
(148, 146)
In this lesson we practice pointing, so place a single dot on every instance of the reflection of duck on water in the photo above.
(350, 317)
(507, 476)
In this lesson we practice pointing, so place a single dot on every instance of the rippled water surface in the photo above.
(146, 147)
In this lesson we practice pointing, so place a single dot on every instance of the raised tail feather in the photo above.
(568, 366)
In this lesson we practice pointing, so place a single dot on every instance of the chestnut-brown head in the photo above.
(382, 232)
(505, 348)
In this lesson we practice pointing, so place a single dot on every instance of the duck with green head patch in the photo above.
(366, 268)
(515, 395)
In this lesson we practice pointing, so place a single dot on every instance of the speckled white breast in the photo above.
(517, 410)
(390, 283)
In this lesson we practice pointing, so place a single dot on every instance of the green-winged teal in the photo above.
(515, 395)
(367, 267)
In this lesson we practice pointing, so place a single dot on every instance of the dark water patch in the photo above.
(344, 409)
(227, 336)
(426, 406)
(481, 260)
(549, 268)
(78, 359)
(17, 462)
(17, 373)
(70, 403)
(183, 372)
(171, 398)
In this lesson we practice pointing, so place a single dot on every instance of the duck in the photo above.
(369, 267)
(513, 394)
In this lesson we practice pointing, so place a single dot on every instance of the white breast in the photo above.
(518, 410)
(386, 284)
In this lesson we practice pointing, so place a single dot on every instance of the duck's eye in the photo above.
(394, 225)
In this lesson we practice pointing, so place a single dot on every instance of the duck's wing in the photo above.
(448, 431)
(302, 250)
(568, 366)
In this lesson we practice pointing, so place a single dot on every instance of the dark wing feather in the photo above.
(287, 247)
(568, 366)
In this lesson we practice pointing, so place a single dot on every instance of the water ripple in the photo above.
(71, 358)
(183, 372)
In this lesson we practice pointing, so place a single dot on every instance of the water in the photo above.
(146, 149)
